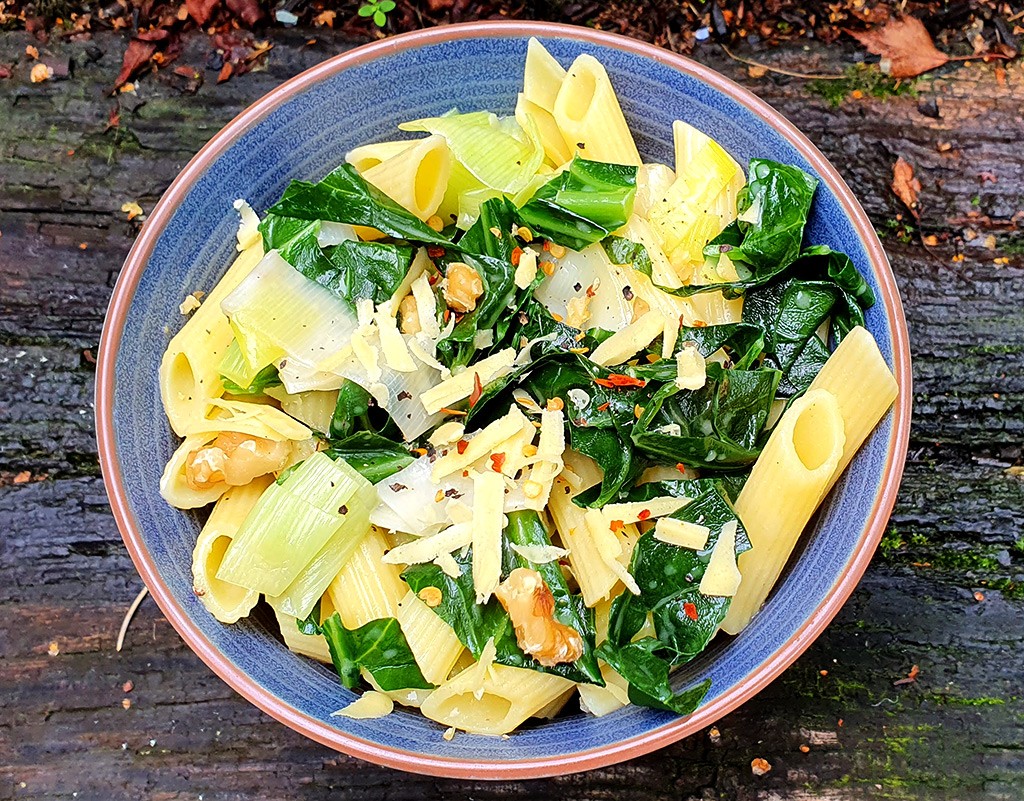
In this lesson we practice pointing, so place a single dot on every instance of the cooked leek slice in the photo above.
(293, 521)
(486, 148)
(277, 312)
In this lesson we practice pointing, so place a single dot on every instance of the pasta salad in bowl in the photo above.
(531, 426)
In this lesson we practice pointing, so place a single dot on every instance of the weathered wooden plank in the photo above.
(65, 578)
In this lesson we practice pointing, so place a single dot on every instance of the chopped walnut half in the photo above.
(409, 315)
(531, 607)
(462, 286)
(234, 459)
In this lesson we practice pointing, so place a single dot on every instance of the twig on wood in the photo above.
(129, 615)
(806, 75)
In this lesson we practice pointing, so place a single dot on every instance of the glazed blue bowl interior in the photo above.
(305, 138)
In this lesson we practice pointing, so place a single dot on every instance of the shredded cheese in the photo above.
(722, 576)
(459, 387)
(448, 565)
(682, 533)
(691, 367)
(609, 547)
(426, 307)
(248, 225)
(480, 445)
(638, 511)
(540, 554)
(392, 343)
(488, 523)
(446, 434)
(427, 549)
(624, 344)
(549, 464)
(668, 342)
(479, 672)
(526, 271)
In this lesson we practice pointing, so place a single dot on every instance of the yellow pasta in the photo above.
(556, 151)
(433, 642)
(368, 156)
(509, 696)
(189, 374)
(863, 386)
(542, 76)
(589, 116)
(601, 701)
(787, 483)
(227, 602)
(367, 589)
(415, 178)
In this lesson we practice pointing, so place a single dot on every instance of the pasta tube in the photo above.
(366, 588)
(789, 479)
(432, 641)
(415, 178)
(505, 698)
(189, 370)
(227, 602)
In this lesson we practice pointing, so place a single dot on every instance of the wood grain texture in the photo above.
(66, 579)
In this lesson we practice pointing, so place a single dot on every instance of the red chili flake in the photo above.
(517, 254)
(690, 610)
(478, 390)
(447, 315)
(699, 324)
(616, 526)
(644, 514)
(604, 406)
(433, 278)
(591, 291)
(435, 251)
(546, 245)
(497, 462)
(420, 451)
(618, 380)
(465, 474)
(461, 446)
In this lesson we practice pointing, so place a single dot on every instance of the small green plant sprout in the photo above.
(378, 10)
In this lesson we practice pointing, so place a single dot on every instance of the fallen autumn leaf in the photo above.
(905, 46)
(904, 185)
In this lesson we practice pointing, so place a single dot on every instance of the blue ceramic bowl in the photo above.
(301, 131)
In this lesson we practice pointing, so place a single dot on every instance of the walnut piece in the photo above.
(531, 607)
(409, 315)
(462, 286)
(234, 459)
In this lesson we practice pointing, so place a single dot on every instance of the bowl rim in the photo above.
(529, 768)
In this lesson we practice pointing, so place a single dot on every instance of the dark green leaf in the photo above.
(373, 456)
(343, 196)
(351, 411)
(474, 624)
(359, 270)
(669, 579)
(311, 625)
(719, 424)
(380, 648)
(263, 380)
(648, 677)
(583, 204)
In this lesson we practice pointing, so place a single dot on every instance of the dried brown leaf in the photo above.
(137, 55)
(905, 46)
(201, 10)
(904, 185)
(248, 11)
(225, 72)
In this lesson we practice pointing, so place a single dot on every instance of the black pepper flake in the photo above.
(452, 493)
(627, 293)
(405, 395)
(577, 286)
(581, 145)
(342, 510)
(396, 487)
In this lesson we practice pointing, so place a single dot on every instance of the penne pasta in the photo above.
(589, 116)
(415, 178)
(189, 370)
(433, 642)
(227, 602)
(508, 697)
(788, 481)
(366, 588)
